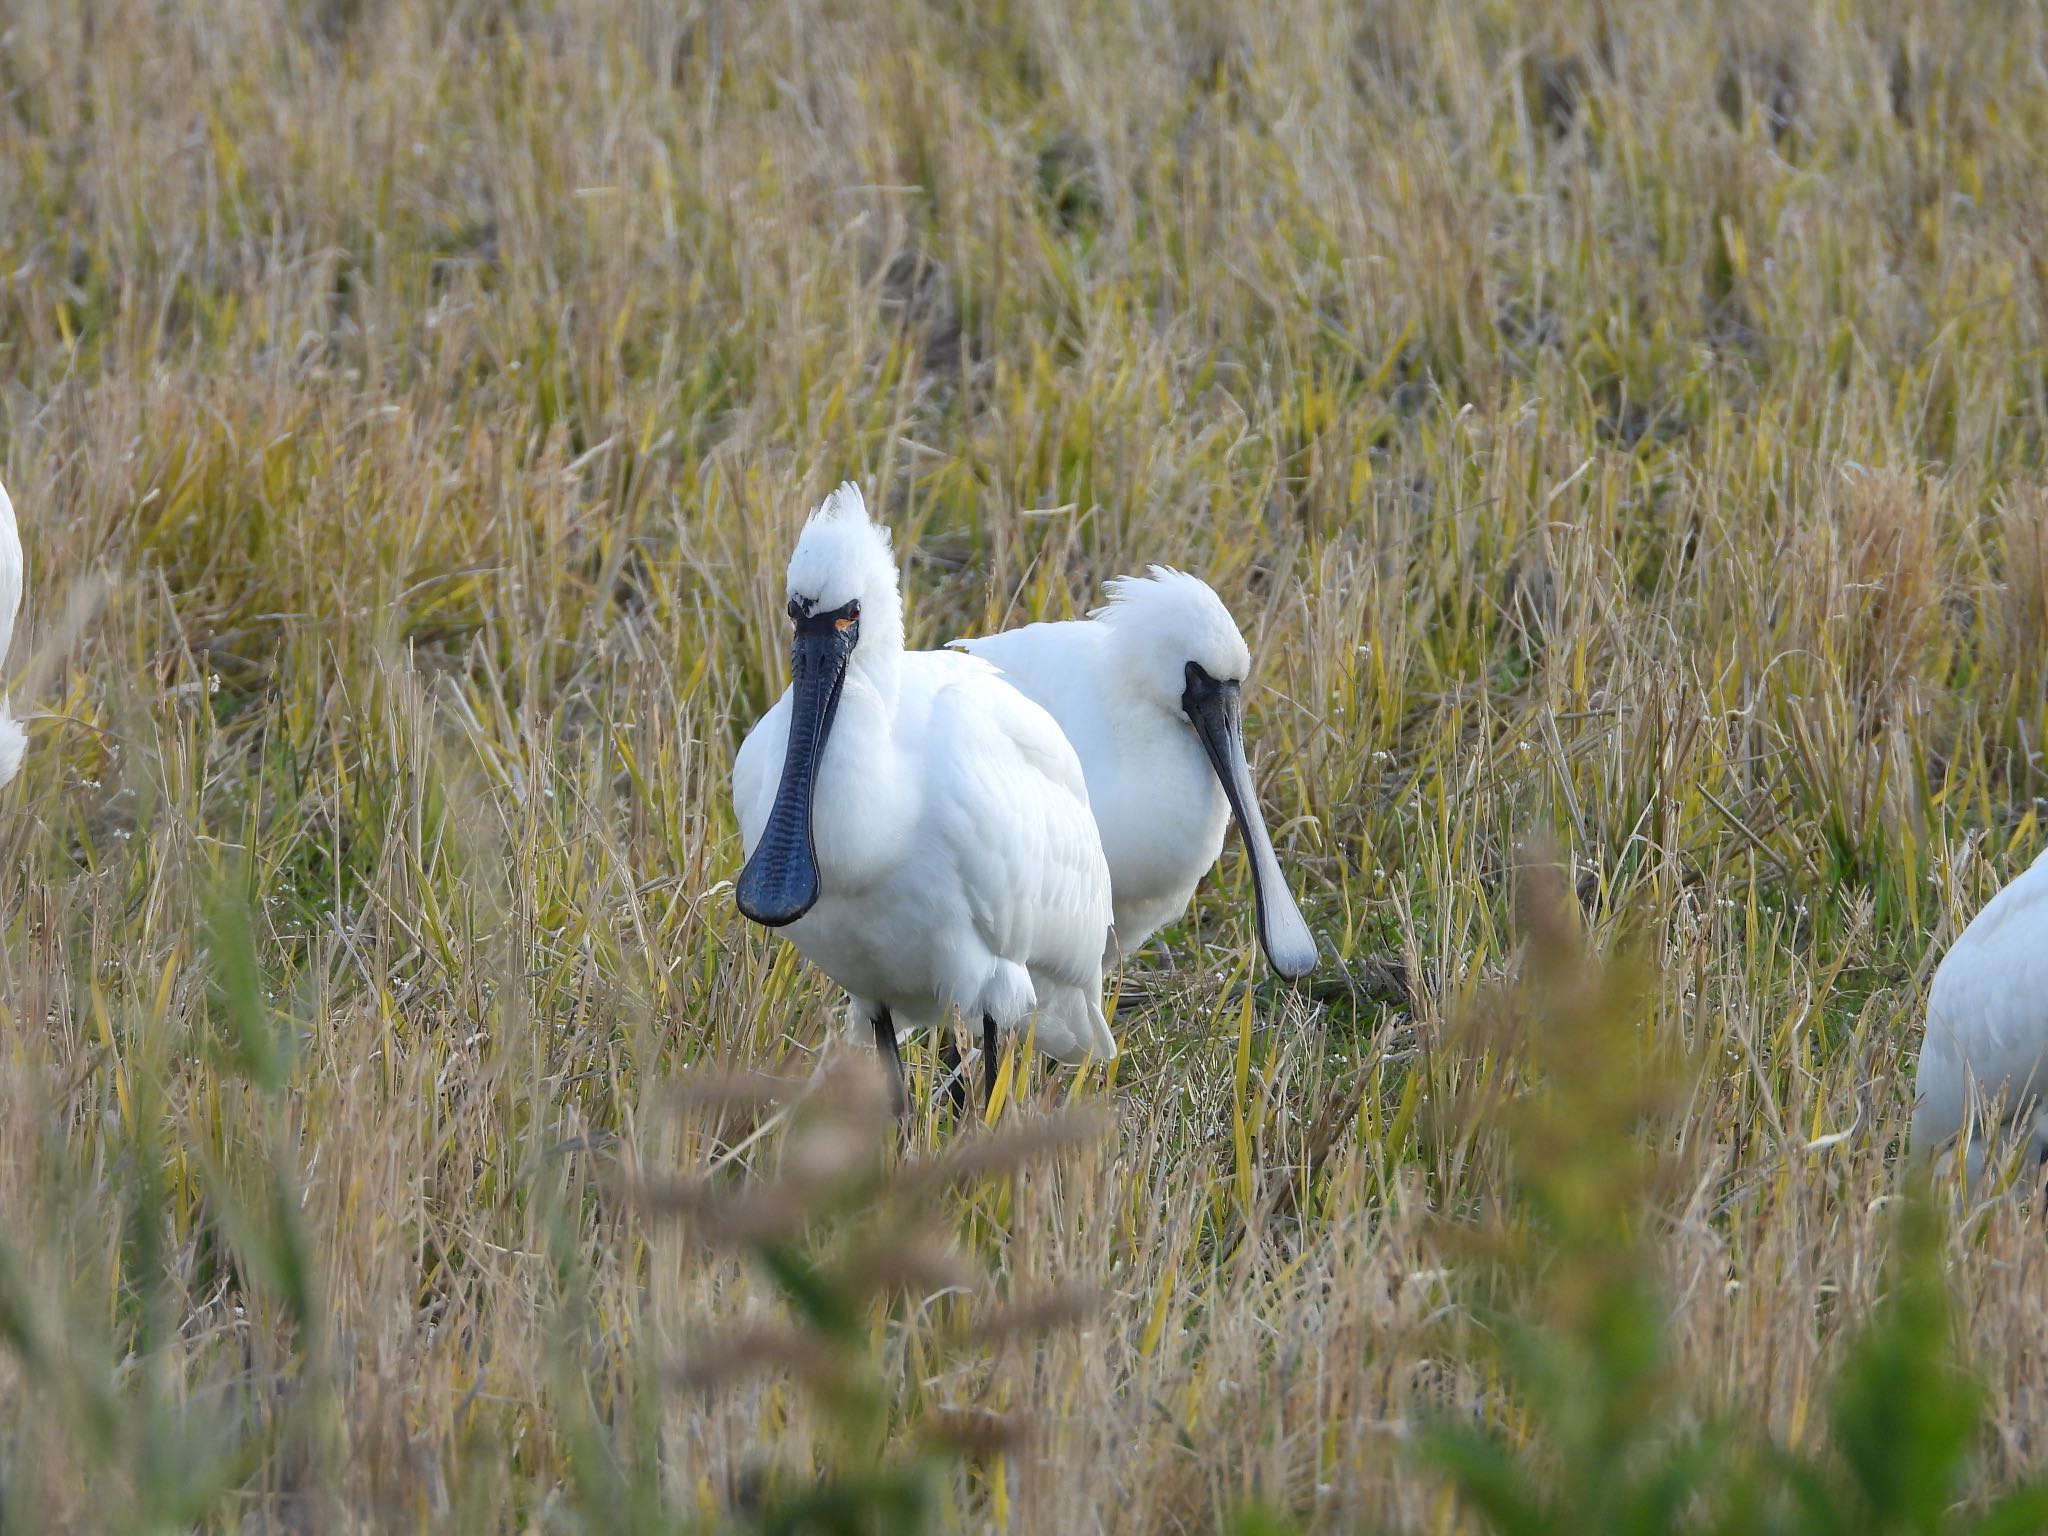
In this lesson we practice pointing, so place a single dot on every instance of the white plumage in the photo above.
(13, 743)
(1987, 1027)
(1147, 690)
(926, 841)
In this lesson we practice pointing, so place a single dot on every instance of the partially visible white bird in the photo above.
(13, 742)
(1986, 1047)
(917, 827)
(1148, 689)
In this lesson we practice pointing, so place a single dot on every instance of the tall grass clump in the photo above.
(1597, 1428)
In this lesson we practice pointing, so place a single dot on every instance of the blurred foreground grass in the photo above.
(1618, 425)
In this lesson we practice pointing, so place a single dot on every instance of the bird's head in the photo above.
(842, 580)
(1186, 655)
(844, 612)
(1168, 621)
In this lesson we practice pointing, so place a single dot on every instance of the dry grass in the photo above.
(1627, 428)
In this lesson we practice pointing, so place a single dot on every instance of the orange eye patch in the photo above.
(842, 625)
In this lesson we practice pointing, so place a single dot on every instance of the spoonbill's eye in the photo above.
(849, 616)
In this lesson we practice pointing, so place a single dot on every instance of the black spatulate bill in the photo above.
(780, 883)
(1217, 714)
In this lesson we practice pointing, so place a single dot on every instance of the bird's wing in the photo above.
(1012, 714)
(1987, 1011)
(757, 771)
(1043, 661)
(1006, 799)
(1060, 667)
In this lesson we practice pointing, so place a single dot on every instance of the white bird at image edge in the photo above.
(1987, 1026)
(13, 742)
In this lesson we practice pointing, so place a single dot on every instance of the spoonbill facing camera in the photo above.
(916, 827)
(1149, 690)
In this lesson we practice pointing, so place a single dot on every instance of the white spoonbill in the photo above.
(12, 740)
(1148, 690)
(1987, 1026)
(917, 827)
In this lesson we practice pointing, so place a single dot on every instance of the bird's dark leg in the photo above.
(988, 1053)
(949, 1063)
(892, 1061)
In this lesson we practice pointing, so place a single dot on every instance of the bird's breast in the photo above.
(864, 811)
(1162, 816)
(874, 944)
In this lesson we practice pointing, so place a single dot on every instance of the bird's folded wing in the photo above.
(1050, 663)
(1008, 801)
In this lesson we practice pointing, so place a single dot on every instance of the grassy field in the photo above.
(1618, 429)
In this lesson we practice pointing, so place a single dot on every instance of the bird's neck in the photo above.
(1141, 725)
(879, 661)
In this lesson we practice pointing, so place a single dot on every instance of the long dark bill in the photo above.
(1217, 715)
(780, 883)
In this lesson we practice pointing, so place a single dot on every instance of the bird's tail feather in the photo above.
(1071, 1027)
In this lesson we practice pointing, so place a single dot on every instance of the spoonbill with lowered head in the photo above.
(1987, 1028)
(1149, 690)
(918, 827)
